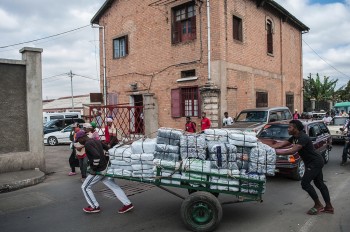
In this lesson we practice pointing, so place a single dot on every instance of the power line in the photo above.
(45, 37)
(325, 60)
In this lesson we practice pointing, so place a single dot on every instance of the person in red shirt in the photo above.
(190, 126)
(205, 122)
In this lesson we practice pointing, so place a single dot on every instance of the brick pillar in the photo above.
(150, 110)
(210, 95)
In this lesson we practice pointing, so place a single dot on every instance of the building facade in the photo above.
(160, 47)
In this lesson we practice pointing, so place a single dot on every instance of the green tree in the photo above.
(319, 90)
(343, 93)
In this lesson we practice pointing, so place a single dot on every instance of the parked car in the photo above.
(59, 124)
(62, 136)
(254, 119)
(318, 115)
(292, 164)
(337, 134)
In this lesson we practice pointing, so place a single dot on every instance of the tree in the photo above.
(321, 91)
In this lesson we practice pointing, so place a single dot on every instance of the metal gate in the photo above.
(128, 120)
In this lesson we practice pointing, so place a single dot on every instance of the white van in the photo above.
(51, 116)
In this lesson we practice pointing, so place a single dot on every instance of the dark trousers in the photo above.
(345, 152)
(73, 161)
(83, 164)
(315, 174)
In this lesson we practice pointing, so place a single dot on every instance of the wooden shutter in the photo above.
(193, 26)
(126, 44)
(176, 103)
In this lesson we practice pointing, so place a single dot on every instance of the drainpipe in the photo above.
(104, 63)
(208, 17)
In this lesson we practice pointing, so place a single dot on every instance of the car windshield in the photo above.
(339, 121)
(49, 123)
(274, 131)
(252, 116)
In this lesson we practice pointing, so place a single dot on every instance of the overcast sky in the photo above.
(326, 48)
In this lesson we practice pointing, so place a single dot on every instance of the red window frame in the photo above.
(185, 101)
(184, 23)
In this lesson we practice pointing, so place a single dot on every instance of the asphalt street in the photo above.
(56, 204)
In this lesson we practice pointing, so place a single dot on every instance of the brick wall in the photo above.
(239, 69)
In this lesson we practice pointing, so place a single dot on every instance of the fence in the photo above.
(128, 120)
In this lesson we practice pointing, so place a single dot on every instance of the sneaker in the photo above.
(126, 208)
(71, 174)
(89, 209)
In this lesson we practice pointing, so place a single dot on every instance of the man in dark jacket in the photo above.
(314, 163)
(98, 163)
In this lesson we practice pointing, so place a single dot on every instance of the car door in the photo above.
(325, 137)
(315, 134)
(64, 135)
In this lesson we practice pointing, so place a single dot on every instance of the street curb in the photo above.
(12, 181)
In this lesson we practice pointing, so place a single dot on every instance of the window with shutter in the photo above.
(184, 23)
(185, 101)
(261, 99)
(290, 102)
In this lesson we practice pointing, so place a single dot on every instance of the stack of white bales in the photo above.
(193, 146)
(167, 154)
(142, 158)
(120, 161)
(195, 170)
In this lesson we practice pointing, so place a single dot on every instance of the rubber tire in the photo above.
(296, 174)
(190, 191)
(325, 156)
(200, 199)
(52, 141)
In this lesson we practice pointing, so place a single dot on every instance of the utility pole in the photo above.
(71, 87)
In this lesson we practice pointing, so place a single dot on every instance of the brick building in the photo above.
(159, 49)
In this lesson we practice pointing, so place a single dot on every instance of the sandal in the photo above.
(324, 210)
(314, 211)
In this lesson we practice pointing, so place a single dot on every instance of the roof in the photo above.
(342, 104)
(271, 3)
(66, 102)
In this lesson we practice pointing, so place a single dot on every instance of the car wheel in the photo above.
(52, 141)
(326, 156)
(299, 171)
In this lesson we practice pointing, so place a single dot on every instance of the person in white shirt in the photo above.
(327, 119)
(227, 121)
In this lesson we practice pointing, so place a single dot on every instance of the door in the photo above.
(137, 117)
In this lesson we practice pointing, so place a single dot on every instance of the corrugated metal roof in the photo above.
(66, 102)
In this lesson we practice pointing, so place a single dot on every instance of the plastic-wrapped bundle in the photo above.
(193, 140)
(118, 172)
(166, 164)
(193, 146)
(120, 164)
(167, 152)
(217, 135)
(247, 186)
(144, 146)
(120, 153)
(196, 165)
(243, 139)
(192, 152)
(169, 136)
(141, 167)
(213, 147)
(229, 183)
(262, 159)
(171, 180)
(142, 158)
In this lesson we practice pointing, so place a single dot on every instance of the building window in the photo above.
(188, 73)
(185, 101)
(237, 29)
(269, 29)
(261, 99)
(184, 23)
(290, 102)
(120, 47)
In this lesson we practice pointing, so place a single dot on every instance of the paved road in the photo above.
(56, 205)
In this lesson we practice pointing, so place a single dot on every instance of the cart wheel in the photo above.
(201, 212)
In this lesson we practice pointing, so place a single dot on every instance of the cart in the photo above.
(201, 211)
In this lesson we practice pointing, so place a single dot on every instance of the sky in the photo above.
(326, 47)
